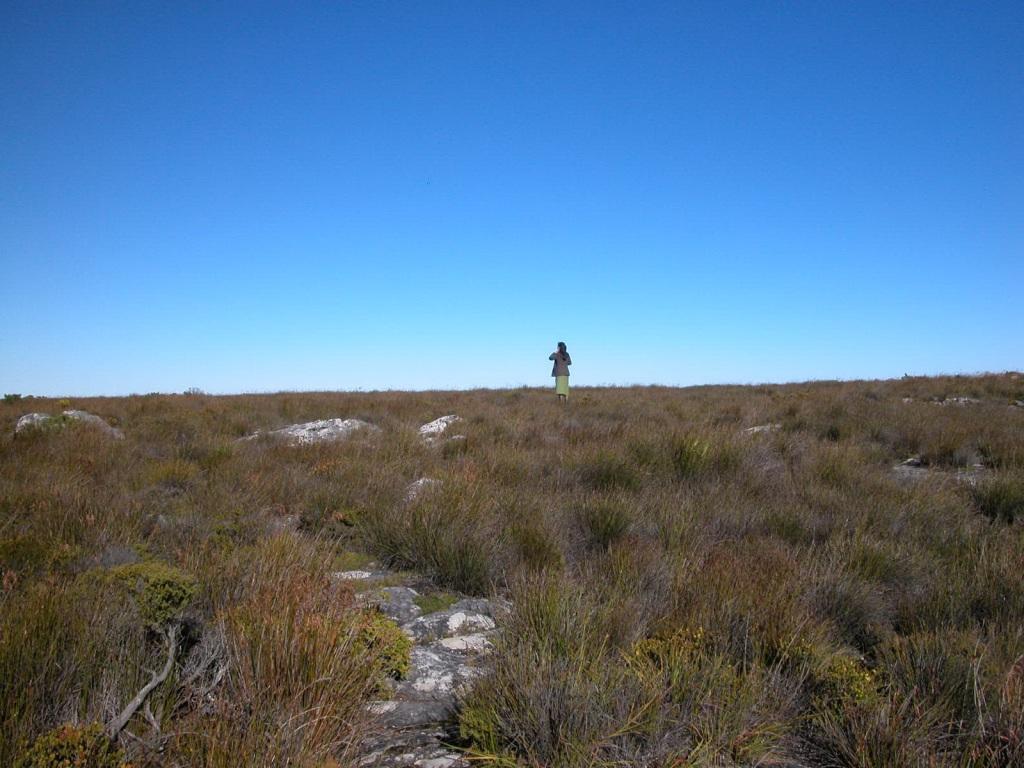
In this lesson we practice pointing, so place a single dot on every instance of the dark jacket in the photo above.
(562, 363)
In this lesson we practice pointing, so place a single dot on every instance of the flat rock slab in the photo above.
(417, 725)
(322, 431)
(436, 673)
(46, 421)
(413, 713)
(397, 603)
(459, 620)
(914, 470)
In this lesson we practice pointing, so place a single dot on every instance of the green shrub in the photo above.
(1000, 498)
(603, 521)
(536, 546)
(11, 398)
(162, 592)
(174, 473)
(386, 643)
(845, 680)
(606, 470)
(689, 456)
(73, 746)
(937, 669)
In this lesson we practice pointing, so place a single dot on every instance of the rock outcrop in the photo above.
(45, 421)
(322, 431)
(432, 430)
(915, 470)
(450, 650)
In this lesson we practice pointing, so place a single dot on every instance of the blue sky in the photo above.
(252, 197)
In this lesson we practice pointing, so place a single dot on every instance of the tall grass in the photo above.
(683, 592)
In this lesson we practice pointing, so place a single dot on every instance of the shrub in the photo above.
(689, 456)
(11, 398)
(937, 668)
(385, 642)
(843, 680)
(73, 746)
(536, 546)
(162, 592)
(1000, 498)
(608, 471)
(174, 473)
(603, 521)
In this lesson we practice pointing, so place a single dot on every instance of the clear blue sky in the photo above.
(249, 196)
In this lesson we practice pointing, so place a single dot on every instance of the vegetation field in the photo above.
(682, 590)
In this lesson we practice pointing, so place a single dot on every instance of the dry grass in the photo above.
(684, 593)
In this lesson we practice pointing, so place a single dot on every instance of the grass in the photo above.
(682, 592)
(435, 601)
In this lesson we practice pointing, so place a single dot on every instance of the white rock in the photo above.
(351, 575)
(436, 762)
(762, 428)
(30, 420)
(419, 486)
(322, 431)
(476, 643)
(434, 429)
(459, 622)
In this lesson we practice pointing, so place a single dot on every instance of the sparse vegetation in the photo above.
(682, 592)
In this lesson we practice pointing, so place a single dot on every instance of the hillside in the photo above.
(820, 574)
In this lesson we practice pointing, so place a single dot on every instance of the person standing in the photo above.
(560, 371)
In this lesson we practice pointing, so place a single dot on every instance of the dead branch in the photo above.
(129, 711)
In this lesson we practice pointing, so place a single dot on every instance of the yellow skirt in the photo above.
(562, 385)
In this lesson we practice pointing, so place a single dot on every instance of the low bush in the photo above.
(607, 471)
(162, 592)
(603, 521)
(73, 746)
(1000, 499)
(383, 641)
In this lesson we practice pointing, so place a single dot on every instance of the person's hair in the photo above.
(562, 349)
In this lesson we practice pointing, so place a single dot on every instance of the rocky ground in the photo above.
(418, 723)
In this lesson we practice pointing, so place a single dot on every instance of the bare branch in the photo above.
(147, 712)
(133, 706)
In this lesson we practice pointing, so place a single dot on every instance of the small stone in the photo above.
(958, 400)
(762, 428)
(417, 487)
